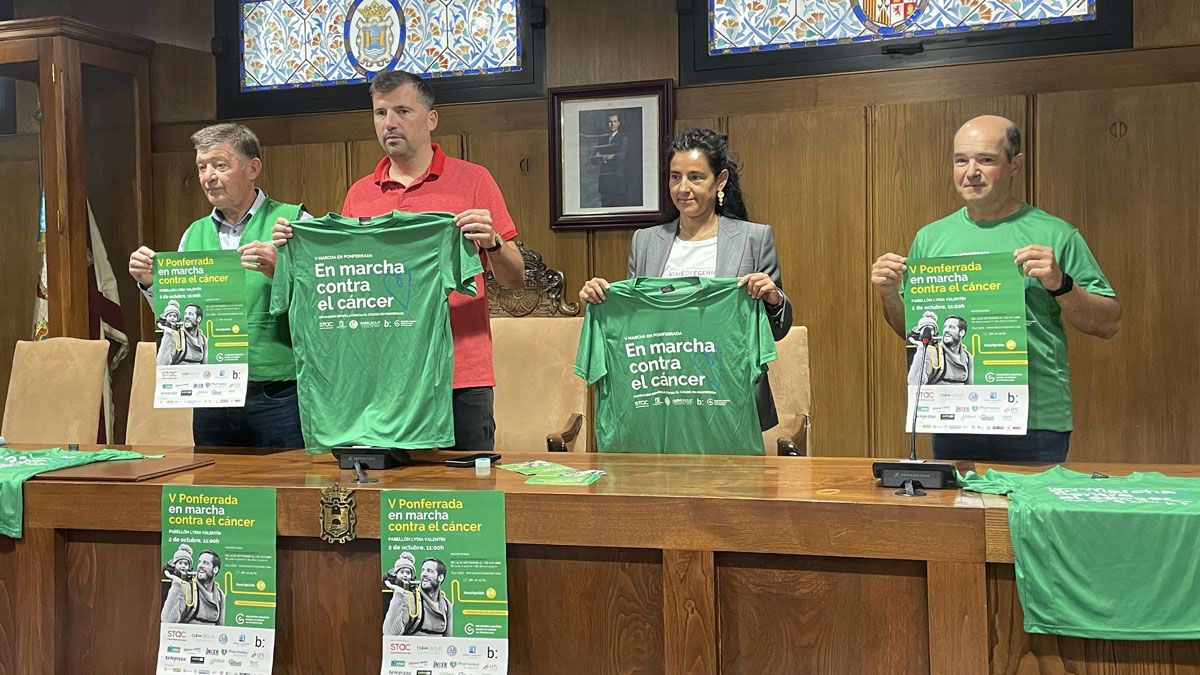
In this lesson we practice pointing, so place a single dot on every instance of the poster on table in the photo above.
(968, 364)
(218, 580)
(444, 581)
(200, 324)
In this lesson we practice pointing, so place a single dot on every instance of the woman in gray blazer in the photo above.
(710, 238)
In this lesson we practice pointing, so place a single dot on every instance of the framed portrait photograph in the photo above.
(607, 145)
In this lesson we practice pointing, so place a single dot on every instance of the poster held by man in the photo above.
(203, 334)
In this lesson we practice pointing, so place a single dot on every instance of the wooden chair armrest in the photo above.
(562, 440)
(795, 445)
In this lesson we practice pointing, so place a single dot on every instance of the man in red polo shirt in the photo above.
(416, 176)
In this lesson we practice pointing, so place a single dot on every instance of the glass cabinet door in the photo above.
(20, 211)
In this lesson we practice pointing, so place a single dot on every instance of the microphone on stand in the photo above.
(926, 337)
(912, 474)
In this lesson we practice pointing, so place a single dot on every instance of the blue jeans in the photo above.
(270, 419)
(474, 425)
(1037, 445)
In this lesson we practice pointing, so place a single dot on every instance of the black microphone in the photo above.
(926, 334)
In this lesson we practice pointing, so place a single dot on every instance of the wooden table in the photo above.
(669, 564)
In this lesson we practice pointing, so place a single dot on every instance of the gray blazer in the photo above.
(742, 248)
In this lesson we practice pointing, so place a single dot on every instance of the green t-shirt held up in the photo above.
(674, 363)
(16, 467)
(1103, 557)
(1049, 372)
(370, 321)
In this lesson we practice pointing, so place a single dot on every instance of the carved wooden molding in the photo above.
(540, 295)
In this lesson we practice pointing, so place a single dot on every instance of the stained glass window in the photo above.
(739, 26)
(306, 43)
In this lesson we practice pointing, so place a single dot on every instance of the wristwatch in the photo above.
(1067, 284)
(500, 244)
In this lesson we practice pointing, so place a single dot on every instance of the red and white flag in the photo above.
(41, 311)
(104, 315)
(104, 309)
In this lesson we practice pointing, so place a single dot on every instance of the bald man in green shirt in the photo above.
(1062, 281)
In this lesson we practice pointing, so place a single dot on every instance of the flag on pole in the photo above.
(41, 311)
(104, 308)
(104, 314)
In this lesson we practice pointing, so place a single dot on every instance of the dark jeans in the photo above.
(270, 419)
(474, 426)
(1037, 445)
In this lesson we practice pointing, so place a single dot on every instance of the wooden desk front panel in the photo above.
(580, 610)
(8, 600)
(793, 614)
(574, 610)
(585, 610)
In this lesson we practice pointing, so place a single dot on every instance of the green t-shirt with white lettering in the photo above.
(16, 467)
(674, 362)
(1115, 558)
(1049, 372)
(368, 306)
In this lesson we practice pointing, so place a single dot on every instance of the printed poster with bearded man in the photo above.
(968, 363)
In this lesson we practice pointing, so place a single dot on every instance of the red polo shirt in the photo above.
(451, 185)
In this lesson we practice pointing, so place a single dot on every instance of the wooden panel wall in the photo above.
(178, 197)
(612, 41)
(845, 167)
(186, 23)
(314, 173)
(172, 103)
(820, 221)
(609, 254)
(364, 156)
(590, 43)
(519, 161)
(1164, 23)
(1120, 165)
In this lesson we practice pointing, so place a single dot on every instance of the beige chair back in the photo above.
(536, 390)
(791, 385)
(148, 425)
(55, 391)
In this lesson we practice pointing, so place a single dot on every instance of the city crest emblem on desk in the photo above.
(337, 515)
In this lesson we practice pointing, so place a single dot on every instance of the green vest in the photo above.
(270, 339)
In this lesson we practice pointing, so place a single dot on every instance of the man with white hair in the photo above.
(229, 162)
